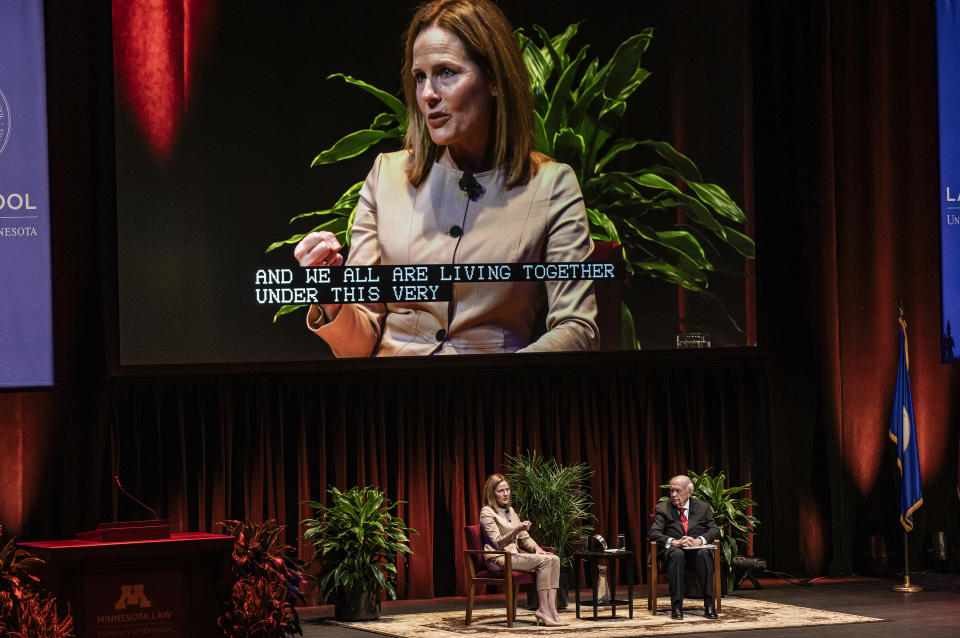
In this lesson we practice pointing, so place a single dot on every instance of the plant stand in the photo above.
(612, 558)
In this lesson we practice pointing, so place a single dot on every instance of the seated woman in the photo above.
(504, 531)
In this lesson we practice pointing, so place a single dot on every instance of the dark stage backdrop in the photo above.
(847, 210)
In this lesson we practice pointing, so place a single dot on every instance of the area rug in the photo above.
(737, 613)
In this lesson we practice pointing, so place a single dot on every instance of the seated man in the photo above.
(685, 522)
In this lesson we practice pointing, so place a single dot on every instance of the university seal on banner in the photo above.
(4, 121)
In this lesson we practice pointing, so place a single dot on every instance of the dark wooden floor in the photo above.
(933, 612)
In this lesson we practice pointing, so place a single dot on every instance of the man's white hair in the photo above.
(684, 479)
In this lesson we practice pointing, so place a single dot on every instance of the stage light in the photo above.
(748, 567)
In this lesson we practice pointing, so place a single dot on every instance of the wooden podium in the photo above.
(165, 587)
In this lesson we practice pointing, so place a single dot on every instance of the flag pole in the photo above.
(906, 587)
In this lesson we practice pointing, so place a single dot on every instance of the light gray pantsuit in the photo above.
(496, 524)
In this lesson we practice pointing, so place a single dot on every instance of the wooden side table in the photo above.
(593, 559)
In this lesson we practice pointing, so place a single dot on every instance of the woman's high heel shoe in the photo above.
(547, 621)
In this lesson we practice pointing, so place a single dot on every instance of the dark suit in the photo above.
(667, 525)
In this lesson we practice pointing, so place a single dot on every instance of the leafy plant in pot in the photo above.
(555, 499)
(25, 609)
(357, 542)
(265, 582)
(729, 511)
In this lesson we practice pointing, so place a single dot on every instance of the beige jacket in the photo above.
(495, 527)
(542, 221)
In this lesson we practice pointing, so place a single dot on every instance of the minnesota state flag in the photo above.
(903, 432)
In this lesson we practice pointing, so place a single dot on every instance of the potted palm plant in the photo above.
(730, 513)
(357, 542)
(555, 499)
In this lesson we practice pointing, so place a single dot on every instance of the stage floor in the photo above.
(935, 611)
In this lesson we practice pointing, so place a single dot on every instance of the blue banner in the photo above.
(948, 70)
(903, 432)
(26, 328)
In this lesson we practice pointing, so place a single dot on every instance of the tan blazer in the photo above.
(542, 221)
(495, 528)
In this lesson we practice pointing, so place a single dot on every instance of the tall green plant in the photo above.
(357, 541)
(729, 512)
(578, 107)
(553, 497)
(577, 113)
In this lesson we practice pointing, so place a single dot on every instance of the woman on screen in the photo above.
(468, 188)
(504, 531)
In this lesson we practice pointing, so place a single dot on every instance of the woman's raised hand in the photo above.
(320, 248)
(519, 528)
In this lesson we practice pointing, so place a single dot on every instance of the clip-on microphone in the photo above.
(469, 185)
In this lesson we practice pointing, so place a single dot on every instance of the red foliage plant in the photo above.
(26, 610)
(265, 583)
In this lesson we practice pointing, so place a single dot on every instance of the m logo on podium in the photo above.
(132, 596)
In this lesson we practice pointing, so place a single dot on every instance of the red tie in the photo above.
(683, 519)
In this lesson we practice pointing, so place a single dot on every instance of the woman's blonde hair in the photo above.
(490, 489)
(487, 36)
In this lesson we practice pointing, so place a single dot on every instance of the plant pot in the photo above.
(363, 605)
(563, 596)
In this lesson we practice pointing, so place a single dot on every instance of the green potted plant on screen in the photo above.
(729, 512)
(357, 542)
(555, 499)
(578, 107)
